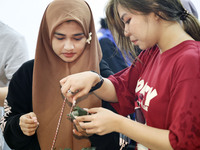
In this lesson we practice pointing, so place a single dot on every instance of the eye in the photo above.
(78, 39)
(59, 38)
(127, 21)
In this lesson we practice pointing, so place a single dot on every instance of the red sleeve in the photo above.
(125, 82)
(185, 104)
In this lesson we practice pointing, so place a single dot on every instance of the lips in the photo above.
(68, 54)
(134, 42)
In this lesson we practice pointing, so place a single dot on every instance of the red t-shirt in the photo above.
(164, 91)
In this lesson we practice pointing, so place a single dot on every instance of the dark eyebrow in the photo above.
(78, 34)
(59, 34)
(122, 17)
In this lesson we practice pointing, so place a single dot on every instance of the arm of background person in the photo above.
(15, 56)
(3, 93)
(17, 103)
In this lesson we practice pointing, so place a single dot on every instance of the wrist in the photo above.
(99, 81)
(117, 120)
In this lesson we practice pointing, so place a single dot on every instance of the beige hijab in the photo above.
(49, 69)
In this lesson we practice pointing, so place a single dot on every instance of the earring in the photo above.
(89, 38)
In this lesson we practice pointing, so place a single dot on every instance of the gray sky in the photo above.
(25, 16)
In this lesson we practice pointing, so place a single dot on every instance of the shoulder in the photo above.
(148, 54)
(190, 52)
(106, 41)
(9, 32)
(28, 65)
(21, 80)
(187, 62)
(105, 70)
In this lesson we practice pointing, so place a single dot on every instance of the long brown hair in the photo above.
(169, 10)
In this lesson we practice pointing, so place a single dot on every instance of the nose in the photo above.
(69, 45)
(126, 31)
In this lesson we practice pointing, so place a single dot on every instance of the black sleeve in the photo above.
(19, 102)
(105, 71)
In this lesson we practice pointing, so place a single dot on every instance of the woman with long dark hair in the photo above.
(162, 86)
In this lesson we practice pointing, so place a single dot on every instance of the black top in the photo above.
(112, 55)
(19, 102)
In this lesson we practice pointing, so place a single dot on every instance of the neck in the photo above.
(172, 34)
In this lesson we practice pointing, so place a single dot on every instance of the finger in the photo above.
(84, 118)
(62, 81)
(33, 116)
(76, 123)
(91, 131)
(94, 110)
(29, 126)
(81, 93)
(95, 131)
(27, 123)
(29, 130)
(86, 125)
(26, 120)
(65, 87)
(30, 120)
(69, 96)
(79, 129)
(77, 133)
(73, 90)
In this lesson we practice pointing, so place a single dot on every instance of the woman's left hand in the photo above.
(101, 121)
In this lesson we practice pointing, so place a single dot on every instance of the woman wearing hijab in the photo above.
(35, 110)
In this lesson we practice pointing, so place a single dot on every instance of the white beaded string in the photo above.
(58, 125)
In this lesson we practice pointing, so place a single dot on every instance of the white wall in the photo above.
(25, 16)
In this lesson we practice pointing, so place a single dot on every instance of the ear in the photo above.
(157, 16)
(160, 15)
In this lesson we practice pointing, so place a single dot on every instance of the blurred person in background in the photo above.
(189, 6)
(13, 53)
(111, 54)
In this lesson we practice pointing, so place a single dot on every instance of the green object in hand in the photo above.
(77, 111)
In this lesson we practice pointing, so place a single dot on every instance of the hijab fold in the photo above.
(49, 69)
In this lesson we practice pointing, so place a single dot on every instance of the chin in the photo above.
(67, 60)
(142, 47)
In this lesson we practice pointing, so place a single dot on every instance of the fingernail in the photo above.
(85, 109)
(34, 118)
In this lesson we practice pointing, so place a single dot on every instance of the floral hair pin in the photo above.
(89, 38)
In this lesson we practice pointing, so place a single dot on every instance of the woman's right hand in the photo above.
(77, 85)
(28, 123)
